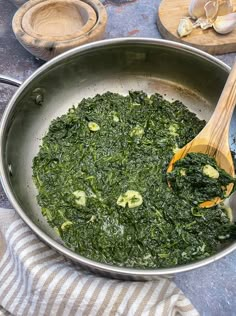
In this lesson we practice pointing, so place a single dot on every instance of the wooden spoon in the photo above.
(213, 140)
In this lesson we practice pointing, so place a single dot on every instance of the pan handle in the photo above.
(10, 81)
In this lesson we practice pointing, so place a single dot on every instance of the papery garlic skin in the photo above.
(196, 8)
(211, 10)
(224, 7)
(225, 24)
(203, 23)
(185, 27)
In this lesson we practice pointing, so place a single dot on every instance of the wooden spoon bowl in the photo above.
(213, 140)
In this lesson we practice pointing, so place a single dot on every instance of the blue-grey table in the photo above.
(211, 289)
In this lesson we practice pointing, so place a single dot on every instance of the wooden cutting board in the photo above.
(169, 14)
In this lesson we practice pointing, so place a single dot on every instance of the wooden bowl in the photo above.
(59, 19)
(47, 28)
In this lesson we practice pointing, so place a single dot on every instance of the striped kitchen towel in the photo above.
(36, 280)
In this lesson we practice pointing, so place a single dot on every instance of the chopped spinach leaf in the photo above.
(103, 188)
(197, 175)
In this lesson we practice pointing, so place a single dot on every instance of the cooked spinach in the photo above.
(198, 175)
(101, 178)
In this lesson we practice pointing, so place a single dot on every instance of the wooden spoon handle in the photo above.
(218, 126)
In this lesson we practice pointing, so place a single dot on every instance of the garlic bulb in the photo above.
(185, 27)
(225, 23)
(209, 13)
(196, 8)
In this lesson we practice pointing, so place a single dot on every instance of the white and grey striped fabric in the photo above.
(36, 280)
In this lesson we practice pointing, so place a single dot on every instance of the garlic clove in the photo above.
(203, 23)
(225, 24)
(211, 9)
(196, 8)
(185, 27)
(224, 7)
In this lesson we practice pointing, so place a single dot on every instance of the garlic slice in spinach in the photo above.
(211, 172)
(173, 129)
(80, 198)
(130, 197)
(94, 127)
(66, 224)
(115, 118)
(137, 131)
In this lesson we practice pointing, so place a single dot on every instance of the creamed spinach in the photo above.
(101, 179)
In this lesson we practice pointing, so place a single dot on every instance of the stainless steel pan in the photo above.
(118, 65)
